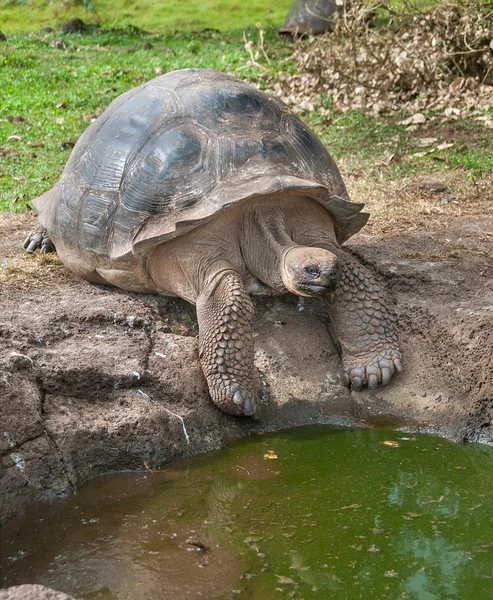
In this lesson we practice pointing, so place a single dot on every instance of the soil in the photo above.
(93, 379)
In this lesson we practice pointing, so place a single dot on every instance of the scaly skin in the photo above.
(365, 327)
(225, 315)
(38, 240)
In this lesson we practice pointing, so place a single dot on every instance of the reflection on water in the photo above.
(338, 514)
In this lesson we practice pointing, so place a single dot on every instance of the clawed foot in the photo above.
(225, 315)
(371, 370)
(38, 240)
(246, 402)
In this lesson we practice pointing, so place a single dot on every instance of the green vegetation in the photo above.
(29, 15)
(49, 95)
(371, 141)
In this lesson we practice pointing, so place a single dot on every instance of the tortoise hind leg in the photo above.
(225, 315)
(38, 239)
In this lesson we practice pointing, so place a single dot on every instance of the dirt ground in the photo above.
(93, 379)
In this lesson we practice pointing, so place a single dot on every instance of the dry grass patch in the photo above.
(401, 207)
(381, 58)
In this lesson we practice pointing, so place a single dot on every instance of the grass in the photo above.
(49, 96)
(62, 89)
(150, 15)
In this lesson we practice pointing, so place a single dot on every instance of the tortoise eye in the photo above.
(313, 271)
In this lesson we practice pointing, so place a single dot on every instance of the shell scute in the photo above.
(172, 170)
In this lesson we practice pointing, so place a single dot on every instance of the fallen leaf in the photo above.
(271, 455)
(427, 141)
(417, 119)
(286, 580)
(449, 111)
(17, 119)
(8, 152)
(391, 443)
(428, 187)
(441, 499)
(14, 138)
(92, 117)
(445, 145)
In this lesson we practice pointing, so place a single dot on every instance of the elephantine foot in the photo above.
(232, 394)
(366, 329)
(225, 314)
(38, 240)
(371, 369)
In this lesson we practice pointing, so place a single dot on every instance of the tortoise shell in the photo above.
(314, 16)
(177, 151)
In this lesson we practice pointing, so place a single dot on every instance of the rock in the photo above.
(58, 44)
(74, 26)
(313, 16)
(32, 592)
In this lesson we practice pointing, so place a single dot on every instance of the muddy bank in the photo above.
(93, 379)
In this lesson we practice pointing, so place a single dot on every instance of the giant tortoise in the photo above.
(311, 16)
(200, 186)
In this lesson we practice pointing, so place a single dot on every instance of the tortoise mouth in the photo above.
(314, 289)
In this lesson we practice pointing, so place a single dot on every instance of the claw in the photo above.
(345, 380)
(372, 381)
(386, 375)
(32, 246)
(357, 383)
(256, 411)
(398, 365)
(247, 408)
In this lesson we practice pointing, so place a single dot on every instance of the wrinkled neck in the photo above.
(265, 241)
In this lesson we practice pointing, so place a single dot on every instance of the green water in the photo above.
(342, 514)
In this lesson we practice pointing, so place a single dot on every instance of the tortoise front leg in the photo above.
(225, 315)
(365, 328)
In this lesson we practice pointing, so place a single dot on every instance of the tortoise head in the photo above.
(310, 271)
